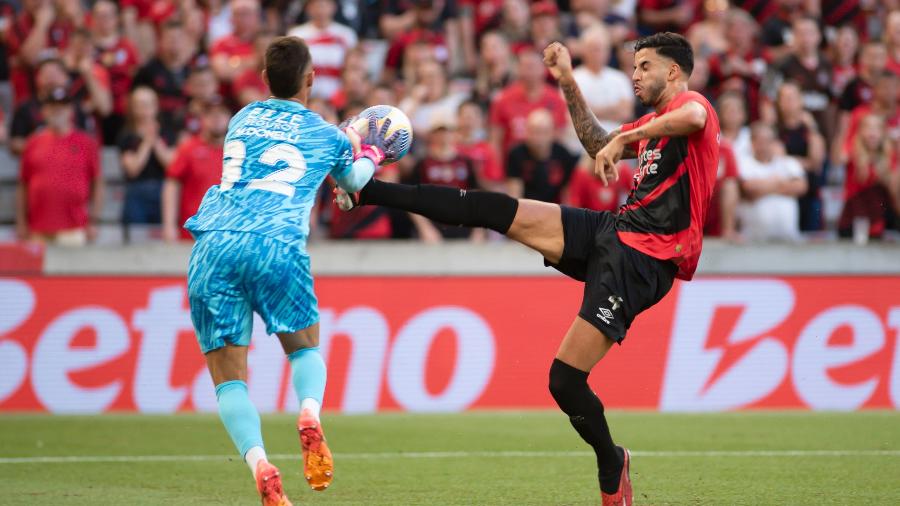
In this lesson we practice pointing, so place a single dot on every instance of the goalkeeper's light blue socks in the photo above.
(308, 375)
(240, 417)
(241, 420)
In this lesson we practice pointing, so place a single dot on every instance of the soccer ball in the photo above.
(399, 123)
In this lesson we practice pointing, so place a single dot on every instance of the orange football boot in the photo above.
(318, 465)
(268, 484)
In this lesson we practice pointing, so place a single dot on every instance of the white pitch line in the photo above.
(78, 459)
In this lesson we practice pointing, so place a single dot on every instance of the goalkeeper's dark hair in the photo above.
(287, 60)
(672, 46)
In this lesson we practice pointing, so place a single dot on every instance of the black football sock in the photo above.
(569, 388)
(445, 204)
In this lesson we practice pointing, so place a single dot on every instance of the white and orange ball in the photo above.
(399, 123)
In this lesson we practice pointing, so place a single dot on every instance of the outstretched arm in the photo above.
(681, 122)
(592, 136)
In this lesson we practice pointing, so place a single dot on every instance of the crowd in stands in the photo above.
(806, 91)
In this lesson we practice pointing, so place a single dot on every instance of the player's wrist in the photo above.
(371, 152)
(566, 78)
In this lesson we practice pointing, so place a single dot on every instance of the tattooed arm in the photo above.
(592, 136)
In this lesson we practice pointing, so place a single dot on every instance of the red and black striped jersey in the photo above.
(665, 212)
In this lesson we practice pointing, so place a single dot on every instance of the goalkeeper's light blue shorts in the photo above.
(233, 274)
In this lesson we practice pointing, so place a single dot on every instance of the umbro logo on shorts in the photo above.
(606, 314)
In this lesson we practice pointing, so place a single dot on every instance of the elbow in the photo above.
(697, 119)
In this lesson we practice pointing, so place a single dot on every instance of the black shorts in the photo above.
(619, 281)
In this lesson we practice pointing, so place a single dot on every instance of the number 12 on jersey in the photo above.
(280, 181)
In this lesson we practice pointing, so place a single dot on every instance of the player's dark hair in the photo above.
(672, 46)
(287, 60)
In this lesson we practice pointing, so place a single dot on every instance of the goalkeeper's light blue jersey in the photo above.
(277, 154)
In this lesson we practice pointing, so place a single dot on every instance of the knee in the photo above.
(565, 381)
(300, 340)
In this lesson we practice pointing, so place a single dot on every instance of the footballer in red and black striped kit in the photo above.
(673, 185)
(627, 260)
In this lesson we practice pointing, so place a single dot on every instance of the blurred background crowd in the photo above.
(114, 113)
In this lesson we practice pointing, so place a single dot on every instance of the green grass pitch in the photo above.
(480, 458)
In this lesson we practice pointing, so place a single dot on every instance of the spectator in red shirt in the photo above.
(443, 165)
(872, 63)
(328, 43)
(423, 31)
(364, 223)
(196, 166)
(885, 103)
(872, 183)
(529, 92)
(539, 168)
(39, 32)
(721, 219)
(249, 86)
(472, 143)
(49, 75)
(120, 59)
(138, 27)
(163, 11)
(545, 24)
(233, 54)
(60, 179)
(587, 191)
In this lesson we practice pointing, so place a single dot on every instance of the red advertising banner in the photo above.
(96, 344)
